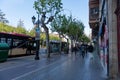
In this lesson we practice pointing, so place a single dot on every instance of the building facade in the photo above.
(103, 35)
(94, 17)
(113, 39)
(108, 36)
(94, 20)
(117, 12)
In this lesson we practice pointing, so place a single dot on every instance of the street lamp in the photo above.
(33, 19)
(37, 35)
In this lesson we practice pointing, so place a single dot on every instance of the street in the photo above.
(58, 67)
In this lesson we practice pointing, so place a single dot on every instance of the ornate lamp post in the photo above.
(37, 35)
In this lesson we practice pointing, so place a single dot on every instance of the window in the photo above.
(9, 41)
(3, 40)
(94, 11)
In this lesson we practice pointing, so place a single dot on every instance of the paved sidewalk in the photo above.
(58, 67)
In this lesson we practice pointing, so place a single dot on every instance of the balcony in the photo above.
(93, 3)
(93, 12)
(94, 16)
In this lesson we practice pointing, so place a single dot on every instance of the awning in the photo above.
(102, 25)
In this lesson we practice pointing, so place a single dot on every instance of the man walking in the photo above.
(83, 49)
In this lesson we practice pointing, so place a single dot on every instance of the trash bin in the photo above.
(4, 49)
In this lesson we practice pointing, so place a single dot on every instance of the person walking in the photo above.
(86, 49)
(90, 50)
(83, 49)
(75, 49)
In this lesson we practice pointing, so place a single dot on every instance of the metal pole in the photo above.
(37, 43)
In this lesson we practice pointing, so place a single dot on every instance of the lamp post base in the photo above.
(37, 50)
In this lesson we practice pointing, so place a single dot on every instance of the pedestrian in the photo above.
(83, 49)
(75, 49)
(86, 49)
(90, 49)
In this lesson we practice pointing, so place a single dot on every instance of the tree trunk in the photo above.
(46, 32)
(71, 45)
(47, 42)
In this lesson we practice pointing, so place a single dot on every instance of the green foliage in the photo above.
(65, 24)
(21, 30)
(32, 32)
(68, 26)
(57, 24)
(6, 28)
(60, 24)
(75, 29)
(48, 9)
(54, 37)
(48, 6)
(11, 29)
(84, 38)
(2, 18)
(42, 36)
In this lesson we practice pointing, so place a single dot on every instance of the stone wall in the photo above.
(113, 53)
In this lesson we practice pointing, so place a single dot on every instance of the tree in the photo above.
(56, 27)
(20, 27)
(60, 25)
(32, 32)
(21, 30)
(54, 37)
(85, 38)
(48, 9)
(20, 23)
(2, 18)
(68, 28)
(9, 29)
